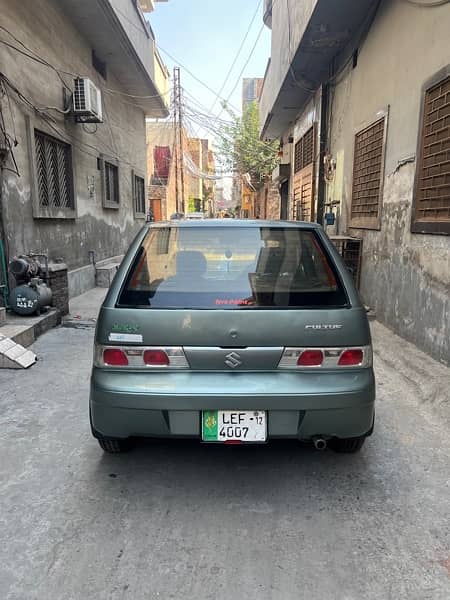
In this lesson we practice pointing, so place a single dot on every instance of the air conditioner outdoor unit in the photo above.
(87, 101)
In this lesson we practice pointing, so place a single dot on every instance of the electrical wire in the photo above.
(243, 69)
(4, 79)
(62, 112)
(201, 115)
(200, 106)
(140, 29)
(5, 91)
(428, 4)
(364, 31)
(42, 62)
(108, 121)
(203, 108)
(207, 125)
(163, 135)
(35, 54)
(86, 130)
(227, 101)
(210, 124)
(205, 85)
(31, 54)
(9, 140)
(237, 55)
(63, 134)
(256, 165)
(110, 91)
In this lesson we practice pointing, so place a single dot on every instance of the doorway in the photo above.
(284, 193)
(155, 205)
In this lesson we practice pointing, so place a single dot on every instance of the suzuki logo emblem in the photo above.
(233, 360)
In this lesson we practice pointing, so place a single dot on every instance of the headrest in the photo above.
(190, 262)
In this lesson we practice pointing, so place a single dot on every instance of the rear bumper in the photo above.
(299, 405)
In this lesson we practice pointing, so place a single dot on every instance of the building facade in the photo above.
(71, 188)
(199, 164)
(177, 181)
(161, 170)
(259, 199)
(363, 95)
(251, 90)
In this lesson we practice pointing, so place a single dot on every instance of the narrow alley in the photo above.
(181, 519)
(224, 300)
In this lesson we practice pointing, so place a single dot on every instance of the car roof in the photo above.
(208, 223)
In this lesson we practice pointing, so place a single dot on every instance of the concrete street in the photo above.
(181, 520)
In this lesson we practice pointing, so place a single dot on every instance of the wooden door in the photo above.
(304, 194)
(155, 204)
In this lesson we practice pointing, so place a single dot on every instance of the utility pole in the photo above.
(178, 130)
(175, 142)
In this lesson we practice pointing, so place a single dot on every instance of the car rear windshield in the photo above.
(231, 268)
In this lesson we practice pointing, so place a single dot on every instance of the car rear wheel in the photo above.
(347, 445)
(113, 445)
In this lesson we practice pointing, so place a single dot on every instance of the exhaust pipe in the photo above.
(319, 443)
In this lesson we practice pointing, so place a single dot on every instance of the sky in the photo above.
(205, 36)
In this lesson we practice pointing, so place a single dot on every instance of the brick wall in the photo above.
(269, 201)
(58, 282)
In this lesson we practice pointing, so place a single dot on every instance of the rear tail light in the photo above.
(138, 357)
(351, 357)
(310, 358)
(156, 358)
(115, 357)
(326, 358)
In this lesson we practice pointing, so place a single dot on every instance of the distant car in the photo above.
(195, 215)
(176, 216)
(233, 332)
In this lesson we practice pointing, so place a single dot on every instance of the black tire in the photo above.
(347, 445)
(113, 445)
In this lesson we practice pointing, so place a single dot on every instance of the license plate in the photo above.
(234, 426)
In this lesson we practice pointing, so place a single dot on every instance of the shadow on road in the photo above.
(265, 477)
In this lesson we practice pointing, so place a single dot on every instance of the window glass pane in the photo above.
(111, 183)
(231, 268)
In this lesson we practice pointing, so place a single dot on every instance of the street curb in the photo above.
(25, 333)
(79, 323)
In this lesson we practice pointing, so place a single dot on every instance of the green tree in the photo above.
(240, 148)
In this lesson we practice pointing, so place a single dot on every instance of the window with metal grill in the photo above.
(368, 169)
(110, 185)
(303, 184)
(53, 172)
(298, 152)
(139, 196)
(303, 198)
(304, 151)
(431, 212)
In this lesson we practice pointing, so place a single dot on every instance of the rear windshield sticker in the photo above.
(125, 337)
(234, 302)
